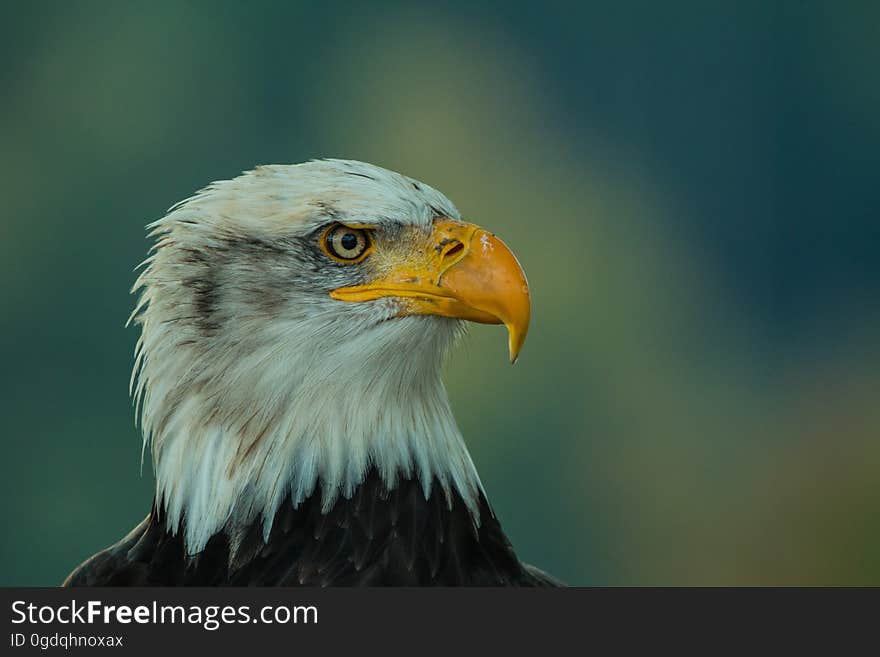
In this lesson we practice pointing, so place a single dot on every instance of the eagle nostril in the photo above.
(458, 246)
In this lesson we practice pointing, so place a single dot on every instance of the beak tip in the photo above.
(516, 337)
(513, 350)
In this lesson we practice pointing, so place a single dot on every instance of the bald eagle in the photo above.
(293, 324)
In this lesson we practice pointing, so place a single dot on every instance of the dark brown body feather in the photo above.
(379, 537)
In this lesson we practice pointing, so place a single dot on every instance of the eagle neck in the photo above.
(227, 458)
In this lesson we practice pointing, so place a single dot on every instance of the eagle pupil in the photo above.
(349, 242)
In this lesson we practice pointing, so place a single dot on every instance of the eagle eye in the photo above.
(346, 244)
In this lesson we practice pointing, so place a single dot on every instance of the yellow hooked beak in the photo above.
(462, 271)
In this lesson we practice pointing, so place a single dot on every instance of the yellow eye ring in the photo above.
(345, 244)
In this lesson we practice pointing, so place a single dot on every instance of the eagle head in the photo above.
(293, 324)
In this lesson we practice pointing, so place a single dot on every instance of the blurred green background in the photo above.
(692, 189)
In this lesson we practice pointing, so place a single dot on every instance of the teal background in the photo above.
(691, 187)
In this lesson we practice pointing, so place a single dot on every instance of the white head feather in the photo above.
(254, 385)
